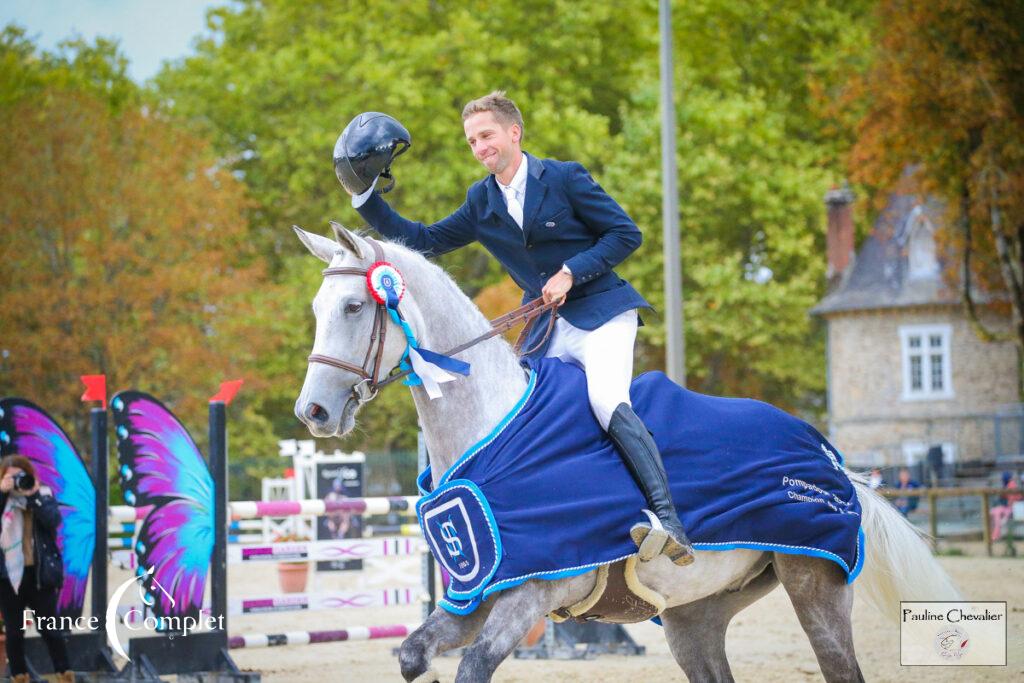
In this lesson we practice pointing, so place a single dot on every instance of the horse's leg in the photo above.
(440, 632)
(823, 602)
(696, 630)
(515, 610)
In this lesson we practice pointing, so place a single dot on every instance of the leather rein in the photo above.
(368, 388)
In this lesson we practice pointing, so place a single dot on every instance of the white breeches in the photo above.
(605, 354)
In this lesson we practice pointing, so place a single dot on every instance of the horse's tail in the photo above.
(898, 562)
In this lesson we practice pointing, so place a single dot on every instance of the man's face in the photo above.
(492, 144)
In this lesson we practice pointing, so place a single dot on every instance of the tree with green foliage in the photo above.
(277, 82)
(274, 82)
(754, 159)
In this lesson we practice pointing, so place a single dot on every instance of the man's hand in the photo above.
(557, 287)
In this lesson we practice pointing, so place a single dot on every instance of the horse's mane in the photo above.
(423, 275)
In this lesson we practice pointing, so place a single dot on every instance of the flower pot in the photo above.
(535, 633)
(292, 576)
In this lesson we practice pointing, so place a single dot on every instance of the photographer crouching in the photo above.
(32, 571)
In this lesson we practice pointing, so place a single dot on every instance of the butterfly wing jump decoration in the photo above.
(160, 466)
(26, 429)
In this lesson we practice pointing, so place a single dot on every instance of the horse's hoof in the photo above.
(428, 676)
(649, 542)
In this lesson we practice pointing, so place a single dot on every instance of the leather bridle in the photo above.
(368, 387)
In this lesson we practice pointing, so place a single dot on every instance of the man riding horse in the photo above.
(558, 234)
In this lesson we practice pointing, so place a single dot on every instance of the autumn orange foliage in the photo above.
(498, 299)
(124, 254)
(945, 98)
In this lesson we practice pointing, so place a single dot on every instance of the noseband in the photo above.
(368, 388)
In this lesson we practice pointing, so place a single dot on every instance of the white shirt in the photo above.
(515, 190)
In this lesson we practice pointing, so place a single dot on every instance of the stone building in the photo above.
(906, 373)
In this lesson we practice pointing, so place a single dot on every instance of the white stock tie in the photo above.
(515, 208)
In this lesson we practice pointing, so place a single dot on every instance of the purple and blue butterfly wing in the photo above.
(161, 466)
(28, 430)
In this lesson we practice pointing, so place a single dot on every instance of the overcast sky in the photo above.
(149, 31)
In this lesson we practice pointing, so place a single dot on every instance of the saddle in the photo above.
(619, 597)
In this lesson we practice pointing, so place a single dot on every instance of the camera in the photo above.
(23, 481)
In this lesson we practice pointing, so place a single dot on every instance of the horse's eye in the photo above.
(354, 306)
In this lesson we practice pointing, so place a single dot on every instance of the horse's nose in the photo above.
(313, 413)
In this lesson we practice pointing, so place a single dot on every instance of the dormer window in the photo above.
(920, 232)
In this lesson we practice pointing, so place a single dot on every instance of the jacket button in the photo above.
(543, 274)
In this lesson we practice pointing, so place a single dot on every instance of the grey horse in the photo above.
(701, 599)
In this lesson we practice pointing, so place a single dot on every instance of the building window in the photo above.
(927, 373)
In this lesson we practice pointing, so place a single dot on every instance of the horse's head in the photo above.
(348, 358)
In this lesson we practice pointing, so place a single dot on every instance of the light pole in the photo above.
(675, 341)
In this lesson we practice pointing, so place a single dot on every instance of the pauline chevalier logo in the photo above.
(952, 643)
(953, 633)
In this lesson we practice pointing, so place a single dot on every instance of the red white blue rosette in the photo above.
(386, 284)
(428, 369)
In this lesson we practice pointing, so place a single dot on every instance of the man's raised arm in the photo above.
(457, 230)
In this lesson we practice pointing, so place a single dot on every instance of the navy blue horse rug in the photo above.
(546, 496)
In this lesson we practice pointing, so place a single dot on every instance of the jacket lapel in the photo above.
(535, 191)
(496, 204)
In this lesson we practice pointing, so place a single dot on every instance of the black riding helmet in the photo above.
(366, 148)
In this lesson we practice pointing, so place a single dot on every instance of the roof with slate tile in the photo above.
(882, 275)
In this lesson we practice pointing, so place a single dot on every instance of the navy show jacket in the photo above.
(567, 218)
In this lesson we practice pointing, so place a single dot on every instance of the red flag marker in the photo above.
(227, 391)
(95, 388)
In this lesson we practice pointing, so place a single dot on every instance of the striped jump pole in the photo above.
(127, 513)
(249, 509)
(310, 637)
(297, 602)
(315, 551)
(127, 542)
(253, 509)
(291, 602)
(237, 525)
(374, 530)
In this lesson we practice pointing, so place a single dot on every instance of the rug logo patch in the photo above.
(451, 538)
(450, 531)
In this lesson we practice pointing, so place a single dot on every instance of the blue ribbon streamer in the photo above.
(439, 359)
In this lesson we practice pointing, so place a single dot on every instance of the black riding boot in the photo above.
(638, 450)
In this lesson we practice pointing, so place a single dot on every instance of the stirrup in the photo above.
(650, 539)
(655, 540)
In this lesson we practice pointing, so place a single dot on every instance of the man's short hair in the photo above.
(504, 109)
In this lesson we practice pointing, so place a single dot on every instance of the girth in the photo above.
(619, 597)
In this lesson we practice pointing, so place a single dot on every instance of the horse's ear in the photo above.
(348, 240)
(321, 247)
